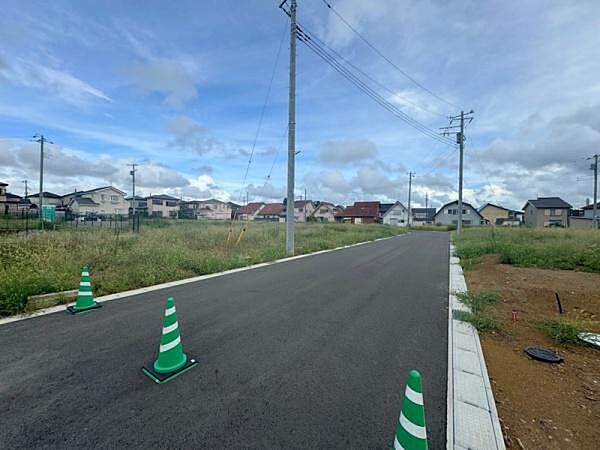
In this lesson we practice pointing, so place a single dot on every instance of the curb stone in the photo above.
(472, 418)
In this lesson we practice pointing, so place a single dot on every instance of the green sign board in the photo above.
(48, 213)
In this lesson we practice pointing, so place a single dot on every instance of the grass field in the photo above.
(52, 261)
(532, 247)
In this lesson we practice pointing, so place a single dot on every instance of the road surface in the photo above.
(310, 353)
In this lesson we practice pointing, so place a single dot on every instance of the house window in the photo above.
(114, 198)
(171, 203)
(546, 212)
(157, 202)
(102, 197)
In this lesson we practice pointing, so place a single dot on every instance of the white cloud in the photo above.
(171, 78)
(345, 151)
(55, 82)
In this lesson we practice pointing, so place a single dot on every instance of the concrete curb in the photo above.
(472, 419)
(156, 287)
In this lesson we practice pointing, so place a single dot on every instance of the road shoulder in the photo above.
(472, 419)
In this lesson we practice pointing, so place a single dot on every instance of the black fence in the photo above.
(24, 222)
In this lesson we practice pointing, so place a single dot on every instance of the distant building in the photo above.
(360, 212)
(249, 211)
(422, 216)
(162, 205)
(588, 210)
(140, 203)
(50, 198)
(547, 212)
(324, 212)
(396, 214)
(211, 209)
(499, 215)
(102, 201)
(448, 215)
(303, 209)
(272, 212)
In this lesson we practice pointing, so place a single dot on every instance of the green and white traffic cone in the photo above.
(171, 360)
(411, 433)
(85, 297)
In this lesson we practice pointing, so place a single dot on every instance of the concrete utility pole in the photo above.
(461, 144)
(25, 182)
(41, 139)
(289, 211)
(132, 173)
(594, 167)
(465, 118)
(426, 211)
(410, 177)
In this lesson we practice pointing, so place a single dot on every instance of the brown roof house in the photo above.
(249, 211)
(360, 212)
(272, 212)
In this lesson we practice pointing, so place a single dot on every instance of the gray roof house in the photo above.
(546, 212)
(448, 215)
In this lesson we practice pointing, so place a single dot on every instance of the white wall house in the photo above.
(324, 212)
(397, 214)
(448, 215)
(111, 201)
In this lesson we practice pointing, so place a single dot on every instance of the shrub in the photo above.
(562, 331)
(478, 302)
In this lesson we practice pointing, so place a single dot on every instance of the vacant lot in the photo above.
(544, 248)
(541, 405)
(52, 261)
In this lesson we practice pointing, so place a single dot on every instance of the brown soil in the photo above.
(542, 406)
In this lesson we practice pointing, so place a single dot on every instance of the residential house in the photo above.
(234, 207)
(324, 212)
(588, 210)
(383, 207)
(213, 209)
(499, 215)
(249, 211)
(273, 212)
(50, 199)
(162, 205)
(448, 215)
(396, 214)
(140, 203)
(103, 201)
(83, 206)
(11, 203)
(547, 212)
(360, 212)
(303, 209)
(422, 216)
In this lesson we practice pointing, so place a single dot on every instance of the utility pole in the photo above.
(132, 173)
(41, 139)
(460, 140)
(25, 182)
(410, 177)
(426, 210)
(594, 167)
(289, 211)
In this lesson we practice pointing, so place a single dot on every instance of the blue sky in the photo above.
(179, 87)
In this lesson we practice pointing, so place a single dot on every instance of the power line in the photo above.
(262, 112)
(355, 31)
(279, 147)
(366, 75)
(306, 38)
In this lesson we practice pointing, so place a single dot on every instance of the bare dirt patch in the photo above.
(541, 406)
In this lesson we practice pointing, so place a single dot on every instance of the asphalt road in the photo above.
(310, 353)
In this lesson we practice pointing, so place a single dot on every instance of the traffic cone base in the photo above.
(74, 309)
(171, 361)
(162, 378)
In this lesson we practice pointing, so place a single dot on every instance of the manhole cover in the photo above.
(541, 354)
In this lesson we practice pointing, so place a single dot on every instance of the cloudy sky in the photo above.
(179, 87)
